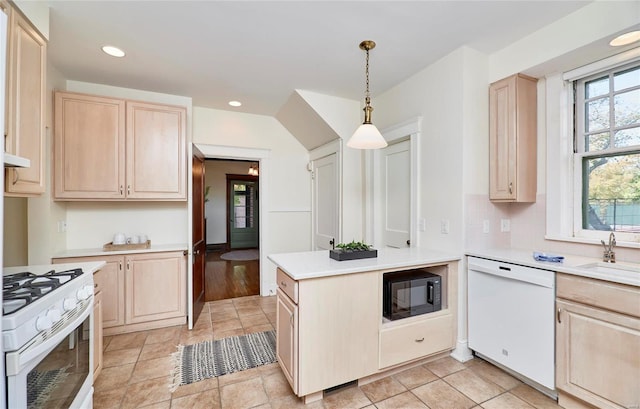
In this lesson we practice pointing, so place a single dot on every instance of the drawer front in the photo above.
(416, 340)
(288, 285)
(602, 294)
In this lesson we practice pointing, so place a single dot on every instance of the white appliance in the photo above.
(511, 318)
(47, 334)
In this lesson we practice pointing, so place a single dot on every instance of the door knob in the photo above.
(333, 243)
(408, 242)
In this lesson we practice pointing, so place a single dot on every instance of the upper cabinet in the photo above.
(512, 139)
(114, 149)
(25, 105)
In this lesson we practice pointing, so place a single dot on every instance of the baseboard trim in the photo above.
(462, 353)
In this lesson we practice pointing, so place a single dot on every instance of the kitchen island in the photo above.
(330, 323)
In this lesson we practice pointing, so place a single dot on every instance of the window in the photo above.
(607, 153)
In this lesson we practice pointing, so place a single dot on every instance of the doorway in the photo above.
(232, 221)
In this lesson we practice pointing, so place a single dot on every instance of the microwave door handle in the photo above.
(430, 292)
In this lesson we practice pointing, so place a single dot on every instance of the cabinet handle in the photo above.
(120, 264)
(420, 340)
(291, 319)
(15, 176)
(128, 189)
(558, 315)
(128, 266)
(283, 284)
(510, 188)
(121, 189)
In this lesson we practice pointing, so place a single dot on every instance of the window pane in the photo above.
(611, 193)
(627, 137)
(626, 79)
(597, 87)
(239, 188)
(597, 115)
(596, 142)
(627, 108)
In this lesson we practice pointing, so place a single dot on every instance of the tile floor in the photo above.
(137, 366)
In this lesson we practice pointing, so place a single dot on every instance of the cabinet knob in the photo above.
(420, 340)
(283, 284)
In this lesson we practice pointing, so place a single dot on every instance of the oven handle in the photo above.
(29, 354)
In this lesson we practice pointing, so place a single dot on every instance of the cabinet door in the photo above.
(156, 152)
(598, 356)
(27, 56)
(156, 286)
(88, 147)
(97, 334)
(287, 340)
(502, 146)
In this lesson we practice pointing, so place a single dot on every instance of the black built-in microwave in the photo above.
(409, 293)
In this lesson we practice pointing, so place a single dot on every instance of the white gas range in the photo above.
(47, 331)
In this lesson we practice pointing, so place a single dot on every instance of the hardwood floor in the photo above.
(230, 279)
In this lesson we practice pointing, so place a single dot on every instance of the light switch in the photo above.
(485, 226)
(444, 226)
(505, 225)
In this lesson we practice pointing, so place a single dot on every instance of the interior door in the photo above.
(325, 185)
(198, 237)
(243, 211)
(396, 193)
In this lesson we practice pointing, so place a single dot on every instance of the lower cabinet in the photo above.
(140, 291)
(97, 333)
(597, 344)
(287, 340)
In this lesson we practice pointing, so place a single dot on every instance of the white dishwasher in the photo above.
(511, 317)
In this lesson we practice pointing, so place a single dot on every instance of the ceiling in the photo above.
(258, 52)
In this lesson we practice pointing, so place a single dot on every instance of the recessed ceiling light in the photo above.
(113, 51)
(235, 103)
(626, 38)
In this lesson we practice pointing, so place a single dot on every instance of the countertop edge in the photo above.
(92, 252)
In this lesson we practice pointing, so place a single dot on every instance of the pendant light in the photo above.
(367, 135)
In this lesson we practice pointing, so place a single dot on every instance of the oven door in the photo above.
(54, 368)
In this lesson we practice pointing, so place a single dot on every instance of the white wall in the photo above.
(37, 12)
(287, 207)
(215, 209)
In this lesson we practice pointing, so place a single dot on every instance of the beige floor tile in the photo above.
(242, 395)
(125, 341)
(209, 399)
(152, 351)
(268, 369)
(351, 397)
(382, 389)
(203, 322)
(229, 333)
(152, 368)
(115, 377)
(108, 399)
(533, 397)
(276, 386)
(494, 374)
(253, 320)
(238, 377)
(195, 387)
(406, 400)
(224, 315)
(120, 357)
(293, 402)
(162, 335)
(227, 325)
(440, 395)
(415, 377)
(258, 328)
(158, 405)
(445, 366)
(146, 393)
(506, 401)
(248, 310)
(195, 336)
(476, 388)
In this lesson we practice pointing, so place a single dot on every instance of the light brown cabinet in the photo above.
(97, 334)
(512, 139)
(287, 340)
(25, 110)
(597, 343)
(114, 149)
(140, 291)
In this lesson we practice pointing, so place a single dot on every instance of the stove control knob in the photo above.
(69, 304)
(84, 293)
(43, 323)
(54, 315)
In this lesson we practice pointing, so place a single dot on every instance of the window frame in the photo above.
(579, 100)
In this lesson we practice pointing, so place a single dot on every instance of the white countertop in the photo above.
(313, 264)
(620, 272)
(90, 267)
(102, 252)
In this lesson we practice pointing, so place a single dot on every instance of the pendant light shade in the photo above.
(367, 135)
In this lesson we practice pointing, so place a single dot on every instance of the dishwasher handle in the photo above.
(542, 278)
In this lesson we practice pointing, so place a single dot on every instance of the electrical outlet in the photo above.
(444, 226)
(505, 225)
(485, 226)
(62, 226)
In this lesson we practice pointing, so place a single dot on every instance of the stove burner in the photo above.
(21, 289)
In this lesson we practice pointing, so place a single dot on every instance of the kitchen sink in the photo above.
(611, 268)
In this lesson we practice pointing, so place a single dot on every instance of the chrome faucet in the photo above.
(609, 256)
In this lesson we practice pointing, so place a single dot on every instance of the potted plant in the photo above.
(352, 251)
